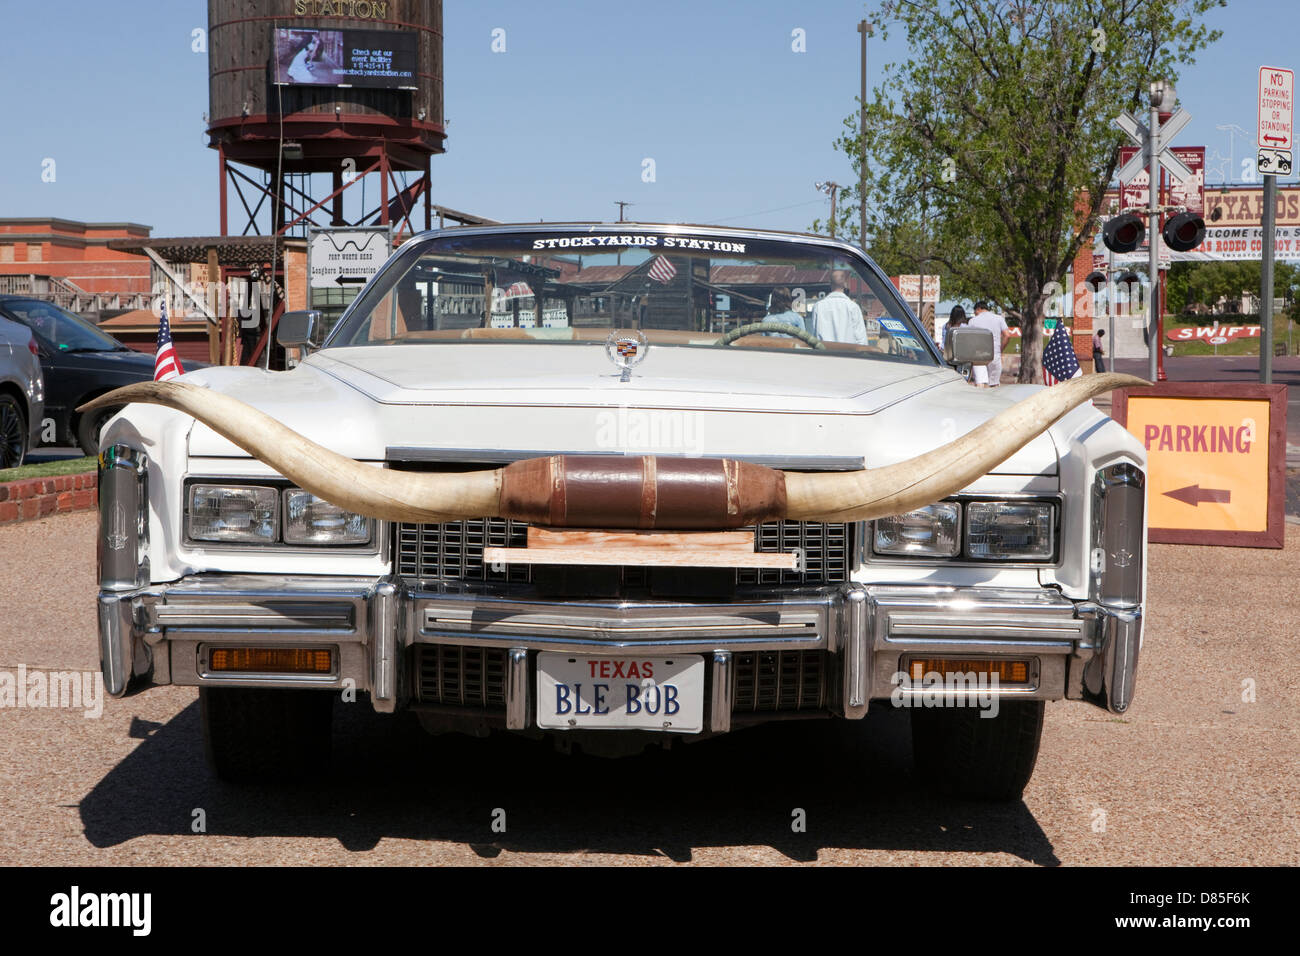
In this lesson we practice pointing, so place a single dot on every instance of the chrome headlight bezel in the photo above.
(262, 513)
(280, 489)
(964, 555)
(938, 516)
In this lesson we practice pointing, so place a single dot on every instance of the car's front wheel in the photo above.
(13, 432)
(265, 733)
(961, 751)
(90, 425)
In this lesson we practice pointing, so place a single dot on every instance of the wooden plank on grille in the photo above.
(683, 549)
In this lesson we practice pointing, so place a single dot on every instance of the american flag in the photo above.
(1059, 361)
(661, 270)
(166, 363)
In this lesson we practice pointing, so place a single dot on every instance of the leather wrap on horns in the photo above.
(622, 491)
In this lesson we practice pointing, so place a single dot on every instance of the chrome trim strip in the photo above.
(278, 614)
(116, 635)
(492, 621)
(854, 654)
(483, 456)
(517, 696)
(386, 613)
(724, 677)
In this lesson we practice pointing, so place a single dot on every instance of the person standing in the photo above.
(986, 318)
(836, 317)
(1098, 352)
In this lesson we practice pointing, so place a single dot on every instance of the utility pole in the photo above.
(620, 204)
(865, 29)
(830, 189)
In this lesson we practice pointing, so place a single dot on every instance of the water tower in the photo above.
(312, 100)
(347, 88)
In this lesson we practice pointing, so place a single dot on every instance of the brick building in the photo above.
(74, 260)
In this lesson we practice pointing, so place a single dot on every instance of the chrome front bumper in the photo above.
(162, 634)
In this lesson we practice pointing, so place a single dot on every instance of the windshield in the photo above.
(57, 329)
(705, 290)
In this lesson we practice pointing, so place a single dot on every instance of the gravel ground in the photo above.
(1193, 775)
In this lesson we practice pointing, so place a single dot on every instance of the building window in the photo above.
(6, 253)
(33, 252)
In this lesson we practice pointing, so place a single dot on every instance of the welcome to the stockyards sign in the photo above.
(1233, 229)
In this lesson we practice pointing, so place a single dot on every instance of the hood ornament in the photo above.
(627, 348)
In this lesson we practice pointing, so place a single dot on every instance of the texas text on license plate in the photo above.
(646, 693)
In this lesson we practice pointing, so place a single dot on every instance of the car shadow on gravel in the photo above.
(853, 782)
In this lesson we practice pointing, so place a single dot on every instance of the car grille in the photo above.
(453, 551)
(461, 676)
(771, 681)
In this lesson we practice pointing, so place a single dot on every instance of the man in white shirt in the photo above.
(985, 318)
(836, 317)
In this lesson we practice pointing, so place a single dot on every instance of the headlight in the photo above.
(934, 531)
(1009, 530)
(312, 520)
(234, 513)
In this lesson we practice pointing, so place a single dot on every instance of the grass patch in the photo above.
(47, 469)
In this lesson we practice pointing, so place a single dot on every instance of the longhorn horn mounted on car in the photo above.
(611, 491)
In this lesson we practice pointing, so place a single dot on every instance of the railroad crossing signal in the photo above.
(1138, 132)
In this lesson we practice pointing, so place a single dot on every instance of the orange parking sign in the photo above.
(1215, 459)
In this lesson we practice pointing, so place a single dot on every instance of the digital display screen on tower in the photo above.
(384, 59)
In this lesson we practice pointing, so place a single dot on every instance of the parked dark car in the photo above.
(80, 362)
(22, 393)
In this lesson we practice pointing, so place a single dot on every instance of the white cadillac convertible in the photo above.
(623, 484)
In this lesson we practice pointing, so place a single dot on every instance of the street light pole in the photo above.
(865, 29)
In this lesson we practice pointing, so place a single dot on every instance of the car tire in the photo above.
(959, 752)
(13, 432)
(252, 734)
(89, 426)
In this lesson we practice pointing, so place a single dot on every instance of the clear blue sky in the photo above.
(739, 126)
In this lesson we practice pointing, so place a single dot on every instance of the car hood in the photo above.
(129, 362)
(497, 401)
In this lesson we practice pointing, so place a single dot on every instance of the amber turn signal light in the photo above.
(1007, 672)
(270, 660)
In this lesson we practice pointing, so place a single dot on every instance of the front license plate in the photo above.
(619, 693)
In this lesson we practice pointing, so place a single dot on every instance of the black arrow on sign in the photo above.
(349, 280)
(1194, 494)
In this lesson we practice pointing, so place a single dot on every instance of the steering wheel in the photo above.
(804, 336)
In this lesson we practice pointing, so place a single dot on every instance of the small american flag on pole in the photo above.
(166, 363)
(661, 270)
(1059, 360)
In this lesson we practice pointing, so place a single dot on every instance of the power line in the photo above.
(763, 212)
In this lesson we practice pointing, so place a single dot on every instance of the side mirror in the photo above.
(298, 329)
(968, 346)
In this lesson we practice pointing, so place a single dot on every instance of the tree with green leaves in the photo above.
(992, 145)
